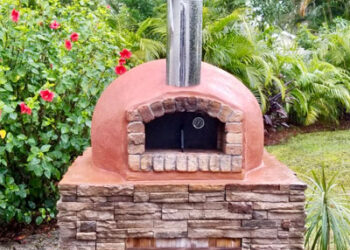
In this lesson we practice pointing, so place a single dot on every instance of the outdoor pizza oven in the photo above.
(177, 161)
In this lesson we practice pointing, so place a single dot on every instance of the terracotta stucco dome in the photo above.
(147, 83)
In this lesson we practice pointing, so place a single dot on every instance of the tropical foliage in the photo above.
(328, 211)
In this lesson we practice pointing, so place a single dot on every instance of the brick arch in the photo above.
(230, 160)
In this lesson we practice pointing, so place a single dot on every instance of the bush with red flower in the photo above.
(54, 64)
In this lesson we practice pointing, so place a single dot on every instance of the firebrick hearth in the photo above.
(177, 161)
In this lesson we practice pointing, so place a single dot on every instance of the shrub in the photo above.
(44, 136)
(328, 209)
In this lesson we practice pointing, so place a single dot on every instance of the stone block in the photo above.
(225, 113)
(225, 215)
(70, 198)
(203, 162)
(169, 105)
(180, 104)
(110, 246)
(105, 190)
(136, 149)
(247, 196)
(66, 216)
(90, 215)
(73, 206)
(67, 224)
(214, 224)
(217, 233)
(86, 226)
(297, 198)
(105, 226)
(141, 197)
(146, 113)
(206, 188)
(192, 163)
(236, 164)
(136, 138)
(134, 162)
(68, 233)
(67, 190)
(158, 163)
(259, 215)
(113, 234)
(140, 233)
(157, 109)
(133, 116)
(91, 199)
(181, 163)
(233, 149)
(214, 108)
(173, 197)
(214, 163)
(91, 236)
(191, 104)
(286, 215)
(136, 127)
(233, 127)
(225, 163)
(264, 233)
(146, 162)
(202, 104)
(119, 198)
(161, 188)
(278, 206)
(170, 162)
(127, 224)
(236, 116)
(260, 223)
(240, 207)
(233, 138)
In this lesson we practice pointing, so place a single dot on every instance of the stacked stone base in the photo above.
(107, 217)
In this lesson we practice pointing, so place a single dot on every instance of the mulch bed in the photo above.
(19, 232)
(274, 137)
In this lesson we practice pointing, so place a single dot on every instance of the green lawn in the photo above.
(305, 152)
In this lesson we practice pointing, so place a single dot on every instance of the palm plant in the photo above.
(328, 221)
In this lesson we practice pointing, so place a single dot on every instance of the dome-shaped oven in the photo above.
(144, 129)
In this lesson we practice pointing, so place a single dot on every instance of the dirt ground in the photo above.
(42, 241)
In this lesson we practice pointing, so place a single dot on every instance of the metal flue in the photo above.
(184, 51)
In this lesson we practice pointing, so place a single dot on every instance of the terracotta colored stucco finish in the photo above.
(146, 84)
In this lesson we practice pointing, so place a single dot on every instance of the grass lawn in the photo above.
(305, 152)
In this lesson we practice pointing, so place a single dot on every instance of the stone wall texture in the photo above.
(230, 160)
(104, 217)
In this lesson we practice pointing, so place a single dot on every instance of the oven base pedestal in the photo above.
(262, 216)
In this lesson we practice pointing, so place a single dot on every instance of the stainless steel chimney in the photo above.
(184, 52)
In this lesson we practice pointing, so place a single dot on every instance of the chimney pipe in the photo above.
(184, 51)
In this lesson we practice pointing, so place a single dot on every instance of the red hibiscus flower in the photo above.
(74, 37)
(25, 109)
(47, 95)
(120, 69)
(122, 61)
(54, 25)
(68, 44)
(125, 54)
(15, 15)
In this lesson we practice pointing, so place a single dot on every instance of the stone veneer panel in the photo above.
(230, 160)
(262, 216)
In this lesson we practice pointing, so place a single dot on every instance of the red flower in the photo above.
(15, 15)
(68, 44)
(120, 69)
(47, 95)
(54, 25)
(122, 61)
(25, 109)
(108, 6)
(74, 37)
(125, 54)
